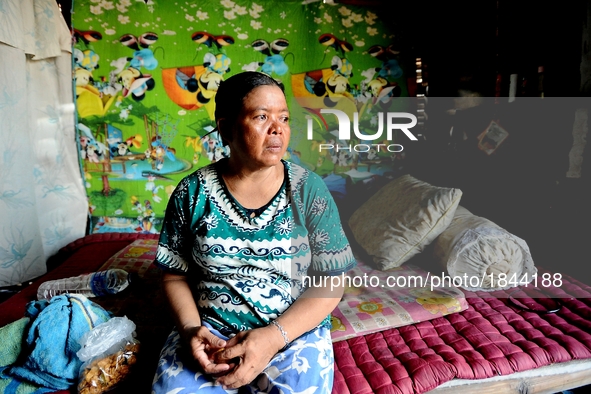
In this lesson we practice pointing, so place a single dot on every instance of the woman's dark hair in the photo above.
(231, 93)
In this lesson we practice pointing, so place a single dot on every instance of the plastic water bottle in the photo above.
(96, 284)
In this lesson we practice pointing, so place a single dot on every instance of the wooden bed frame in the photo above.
(544, 380)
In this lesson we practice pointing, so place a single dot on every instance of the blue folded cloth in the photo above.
(48, 358)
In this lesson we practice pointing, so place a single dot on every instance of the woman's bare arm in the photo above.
(310, 308)
(180, 299)
(203, 342)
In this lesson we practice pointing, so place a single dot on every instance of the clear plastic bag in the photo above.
(108, 354)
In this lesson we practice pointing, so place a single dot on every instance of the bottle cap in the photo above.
(540, 69)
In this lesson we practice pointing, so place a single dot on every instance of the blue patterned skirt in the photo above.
(306, 366)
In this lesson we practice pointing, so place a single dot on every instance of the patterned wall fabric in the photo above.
(147, 71)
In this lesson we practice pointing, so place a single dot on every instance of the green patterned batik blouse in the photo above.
(248, 269)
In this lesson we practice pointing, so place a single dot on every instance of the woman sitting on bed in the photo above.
(237, 240)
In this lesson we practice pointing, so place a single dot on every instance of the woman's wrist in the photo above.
(283, 333)
(187, 331)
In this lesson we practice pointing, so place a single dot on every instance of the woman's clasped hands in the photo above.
(237, 361)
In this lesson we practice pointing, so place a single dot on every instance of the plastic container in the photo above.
(96, 284)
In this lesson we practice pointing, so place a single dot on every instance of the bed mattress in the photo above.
(490, 338)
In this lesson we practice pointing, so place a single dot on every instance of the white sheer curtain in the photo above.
(43, 203)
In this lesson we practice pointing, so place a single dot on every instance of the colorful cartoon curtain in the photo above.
(43, 203)
(147, 71)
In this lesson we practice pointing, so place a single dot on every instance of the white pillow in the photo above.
(402, 218)
(478, 250)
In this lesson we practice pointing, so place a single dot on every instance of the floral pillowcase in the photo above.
(376, 300)
(137, 257)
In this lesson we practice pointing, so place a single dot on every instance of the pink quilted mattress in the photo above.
(492, 337)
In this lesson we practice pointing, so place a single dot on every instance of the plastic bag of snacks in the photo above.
(108, 354)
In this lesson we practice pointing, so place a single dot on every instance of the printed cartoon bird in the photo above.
(390, 66)
(383, 53)
(135, 42)
(274, 62)
(135, 140)
(330, 40)
(203, 37)
(87, 36)
(275, 47)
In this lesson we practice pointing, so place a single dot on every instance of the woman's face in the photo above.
(261, 133)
